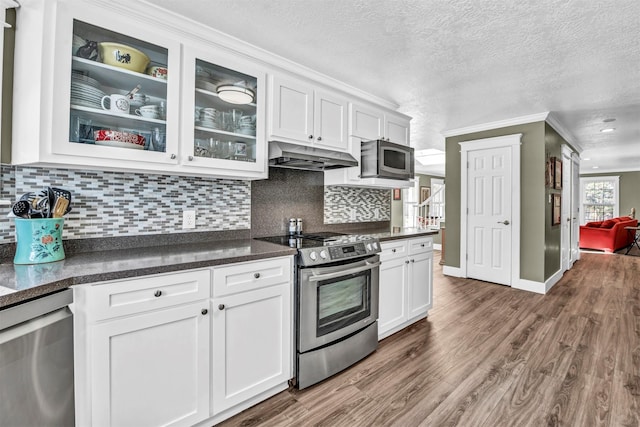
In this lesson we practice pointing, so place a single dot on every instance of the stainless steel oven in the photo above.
(337, 301)
(337, 317)
(336, 294)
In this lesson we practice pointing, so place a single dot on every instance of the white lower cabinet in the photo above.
(169, 350)
(151, 369)
(251, 345)
(406, 283)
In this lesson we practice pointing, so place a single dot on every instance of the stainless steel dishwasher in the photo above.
(36, 362)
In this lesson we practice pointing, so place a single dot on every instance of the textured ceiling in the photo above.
(453, 64)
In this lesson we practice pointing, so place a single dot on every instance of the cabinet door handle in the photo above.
(310, 136)
(319, 138)
(413, 260)
(190, 158)
(406, 262)
(221, 307)
(256, 275)
(173, 156)
(204, 311)
(157, 293)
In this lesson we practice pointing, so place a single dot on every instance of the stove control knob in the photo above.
(368, 246)
(323, 254)
(375, 245)
(313, 256)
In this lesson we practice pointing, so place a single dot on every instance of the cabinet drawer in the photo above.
(393, 249)
(247, 276)
(113, 299)
(422, 244)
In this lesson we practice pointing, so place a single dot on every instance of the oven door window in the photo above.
(343, 301)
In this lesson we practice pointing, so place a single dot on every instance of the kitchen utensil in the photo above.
(22, 209)
(43, 205)
(60, 207)
(29, 197)
(133, 91)
(62, 194)
(121, 55)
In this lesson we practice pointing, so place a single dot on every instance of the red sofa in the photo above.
(608, 235)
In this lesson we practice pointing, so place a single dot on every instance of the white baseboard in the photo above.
(437, 246)
(451, 271)
(538, 287)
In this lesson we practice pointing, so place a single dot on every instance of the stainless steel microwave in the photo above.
(384, 159)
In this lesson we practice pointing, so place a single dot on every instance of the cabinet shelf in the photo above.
(106, 118)
(114, 77)
(206, 132)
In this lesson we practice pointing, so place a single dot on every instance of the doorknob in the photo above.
(505, 222)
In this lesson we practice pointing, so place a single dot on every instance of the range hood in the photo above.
(286, 155)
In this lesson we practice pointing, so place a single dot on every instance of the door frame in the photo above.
(510, 141)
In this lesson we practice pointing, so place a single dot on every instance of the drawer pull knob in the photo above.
(422, 245)
(157, 293)
(256, 275)
(204, 311)
(221, 307)
(393, 250)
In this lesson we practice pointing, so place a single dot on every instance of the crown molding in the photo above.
(552, 120)
(539, 117)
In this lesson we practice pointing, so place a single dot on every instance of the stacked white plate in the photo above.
(85, 91)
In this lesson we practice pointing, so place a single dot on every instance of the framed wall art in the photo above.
(548, 173)
(425, 193)
(555, 209)
(557, 174)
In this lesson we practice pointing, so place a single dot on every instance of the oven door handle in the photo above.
(319, 277)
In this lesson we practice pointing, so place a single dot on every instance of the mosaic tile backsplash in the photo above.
(353, 204)
(113, 204)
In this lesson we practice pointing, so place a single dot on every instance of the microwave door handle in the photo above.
(328, 276)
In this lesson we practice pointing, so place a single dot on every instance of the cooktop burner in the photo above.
(325, 247)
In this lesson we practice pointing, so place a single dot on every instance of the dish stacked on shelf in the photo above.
(209, 118)
(246, 125)
(114, 138)
(204, 80)
(85, 91)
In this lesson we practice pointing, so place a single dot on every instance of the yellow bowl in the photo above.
(123, 56)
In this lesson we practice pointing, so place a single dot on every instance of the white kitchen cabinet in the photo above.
(304, 114)
(60, 104)
(396, 128)
(406, 283)
(217, 135)
(142, 351)
(252, 333)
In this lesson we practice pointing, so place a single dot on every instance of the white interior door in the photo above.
(489, 216)
(565, 210)
(575, 208)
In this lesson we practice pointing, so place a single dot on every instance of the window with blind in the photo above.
(600, 198)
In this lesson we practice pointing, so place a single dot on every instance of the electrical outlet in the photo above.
(188, 219)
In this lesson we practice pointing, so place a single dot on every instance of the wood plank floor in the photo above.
(489, 355)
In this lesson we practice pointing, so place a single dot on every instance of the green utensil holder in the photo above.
(38, 240)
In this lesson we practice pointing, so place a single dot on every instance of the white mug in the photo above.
(118, 103)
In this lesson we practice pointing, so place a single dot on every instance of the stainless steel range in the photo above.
(336, 302)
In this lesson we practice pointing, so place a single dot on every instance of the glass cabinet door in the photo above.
(115, 93)
(224, 125)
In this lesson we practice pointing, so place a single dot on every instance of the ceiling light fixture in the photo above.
(236, 93)
(607, 130)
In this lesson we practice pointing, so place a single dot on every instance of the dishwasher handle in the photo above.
(35, 308)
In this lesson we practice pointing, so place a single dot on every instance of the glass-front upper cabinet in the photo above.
(119, 90)
(223, 115)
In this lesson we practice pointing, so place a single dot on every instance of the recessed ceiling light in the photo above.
(595, 167)
(587, 158)
(609, 120)
(607, 130)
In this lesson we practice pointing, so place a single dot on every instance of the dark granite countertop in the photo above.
(19, 283)
(403, 233)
